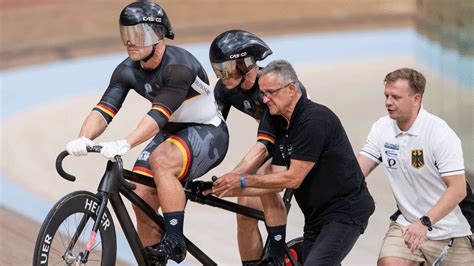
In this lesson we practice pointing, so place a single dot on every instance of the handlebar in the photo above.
(59, 167)
(94, 149)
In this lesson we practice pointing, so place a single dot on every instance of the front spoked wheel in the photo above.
(296, 248)
(66, 236)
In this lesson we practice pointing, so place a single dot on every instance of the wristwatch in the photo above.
(425, 220)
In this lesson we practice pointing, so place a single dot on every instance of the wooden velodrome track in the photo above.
(38, 31)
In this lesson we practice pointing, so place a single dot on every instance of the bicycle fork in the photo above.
(92, 236)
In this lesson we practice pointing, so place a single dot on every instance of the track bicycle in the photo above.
(79, 229)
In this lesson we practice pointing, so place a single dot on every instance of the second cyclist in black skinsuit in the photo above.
(233, 55)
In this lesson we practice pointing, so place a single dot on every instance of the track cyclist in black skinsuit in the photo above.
(233, 55)
(188, 136)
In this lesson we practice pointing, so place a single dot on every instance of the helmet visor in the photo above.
(141, 34)
(233, 68)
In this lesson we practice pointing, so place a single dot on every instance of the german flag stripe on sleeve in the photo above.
(261, 136)
(163, 110)
(108, 110)
(184, 149)
(142, 171)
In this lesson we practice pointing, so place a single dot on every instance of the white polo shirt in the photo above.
(415, 162)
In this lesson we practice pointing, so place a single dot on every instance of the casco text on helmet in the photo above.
(236, 50)
(144, 24)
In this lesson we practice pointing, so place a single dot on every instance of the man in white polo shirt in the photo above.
(423, 159)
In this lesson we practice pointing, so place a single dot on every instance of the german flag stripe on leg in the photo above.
(142, 171)
(183, 147)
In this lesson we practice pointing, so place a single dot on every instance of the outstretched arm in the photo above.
(252, 160)
(93, 126)
(146, 129)
(291, 178)
(167, 100)
(266, 168)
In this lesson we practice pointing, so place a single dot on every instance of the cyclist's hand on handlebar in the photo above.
(111, 149)
(78, 147)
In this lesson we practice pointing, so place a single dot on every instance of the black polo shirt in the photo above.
(335, 189)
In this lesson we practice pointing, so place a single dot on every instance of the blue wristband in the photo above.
(242, 181)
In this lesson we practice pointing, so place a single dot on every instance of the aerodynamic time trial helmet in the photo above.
(236, 50)
(144, 23)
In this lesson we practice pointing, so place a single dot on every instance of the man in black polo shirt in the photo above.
(313, 156)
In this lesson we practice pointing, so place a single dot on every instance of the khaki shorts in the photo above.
(461, 253)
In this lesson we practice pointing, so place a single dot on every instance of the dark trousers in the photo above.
(331, 243)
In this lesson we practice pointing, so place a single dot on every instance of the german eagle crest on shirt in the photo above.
(417, 158)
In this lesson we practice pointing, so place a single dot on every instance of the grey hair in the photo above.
(284, 72)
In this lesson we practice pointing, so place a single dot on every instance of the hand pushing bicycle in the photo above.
(79, 229)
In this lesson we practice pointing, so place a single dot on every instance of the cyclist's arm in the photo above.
(256, 157)
(253, 159)
(109, 105)
(169, 98)
(265, 144)
(93, 126)
(146, 129)
(266, 133)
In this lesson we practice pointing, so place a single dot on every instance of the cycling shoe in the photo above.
(168, 249)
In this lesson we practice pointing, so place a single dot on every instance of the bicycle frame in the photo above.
(193, 191)
(110, 188)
